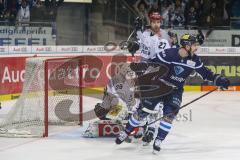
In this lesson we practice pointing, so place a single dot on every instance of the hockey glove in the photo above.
(100, 111)
(133, 46)
(138, 24)
(221, 81)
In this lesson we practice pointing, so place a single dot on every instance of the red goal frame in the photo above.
(46, 87)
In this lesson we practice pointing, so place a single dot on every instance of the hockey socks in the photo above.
(163, 130)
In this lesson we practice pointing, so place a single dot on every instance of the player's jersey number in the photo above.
(162, 45)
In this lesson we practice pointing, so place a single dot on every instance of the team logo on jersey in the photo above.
(178, 70)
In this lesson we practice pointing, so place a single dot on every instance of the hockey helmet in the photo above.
(155, 16)
(188, 40)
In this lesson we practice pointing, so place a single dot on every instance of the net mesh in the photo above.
(26, 118)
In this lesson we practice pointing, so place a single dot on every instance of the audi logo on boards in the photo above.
(113, 68)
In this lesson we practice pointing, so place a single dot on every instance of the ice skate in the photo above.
(157, 146)
(121, 137)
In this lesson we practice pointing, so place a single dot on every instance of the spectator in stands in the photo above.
(178, 16)
(155, 7)
(19, 3)
(226, 12)
(2, 11)
(37, 3)
(38, 11)
(11, 11)
(24, 12)
(166, 6)
(51, 8)
(179, 6)
(192, 17)
(141, 6)
(213, 16)
(178, 19)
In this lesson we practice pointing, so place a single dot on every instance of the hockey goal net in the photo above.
(51, 96)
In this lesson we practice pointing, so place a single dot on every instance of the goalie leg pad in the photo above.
(103, 128)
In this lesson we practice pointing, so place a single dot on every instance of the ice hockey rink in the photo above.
(209, 129)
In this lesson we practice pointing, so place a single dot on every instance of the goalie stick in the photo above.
(185, 105)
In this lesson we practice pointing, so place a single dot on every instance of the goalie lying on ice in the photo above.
(118, 98)
(117, 104)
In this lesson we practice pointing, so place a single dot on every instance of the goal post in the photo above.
(51, 96)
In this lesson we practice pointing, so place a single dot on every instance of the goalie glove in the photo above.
(100, 111)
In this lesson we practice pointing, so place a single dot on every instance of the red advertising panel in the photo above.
(96, 71)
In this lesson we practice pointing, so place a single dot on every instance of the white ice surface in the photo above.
(212, 132)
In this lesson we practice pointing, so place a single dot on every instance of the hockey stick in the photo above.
(185, 105)
(123, 45)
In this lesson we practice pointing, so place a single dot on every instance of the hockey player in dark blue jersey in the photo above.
(180, 62)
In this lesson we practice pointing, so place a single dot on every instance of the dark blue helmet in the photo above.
(188, 40)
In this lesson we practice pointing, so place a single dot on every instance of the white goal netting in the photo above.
(51, 95)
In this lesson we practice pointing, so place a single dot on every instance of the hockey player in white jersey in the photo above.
(152, 40)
